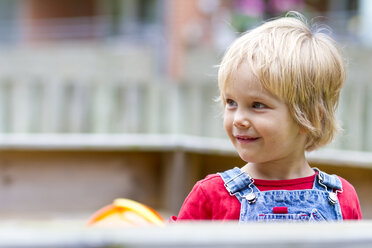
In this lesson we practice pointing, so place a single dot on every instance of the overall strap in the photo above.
(237, 182)
(332, 184)
(330, 181)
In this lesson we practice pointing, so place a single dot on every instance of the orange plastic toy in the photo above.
(125, 212)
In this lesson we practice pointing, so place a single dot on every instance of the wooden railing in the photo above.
(85, 107)
(108, 106)
(201, 234)
(116, 106)
(82, 94)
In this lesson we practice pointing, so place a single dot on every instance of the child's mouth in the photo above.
(246, 139)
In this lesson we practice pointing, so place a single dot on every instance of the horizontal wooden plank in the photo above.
(202, 234)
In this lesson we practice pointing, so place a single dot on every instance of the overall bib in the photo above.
(317, 204)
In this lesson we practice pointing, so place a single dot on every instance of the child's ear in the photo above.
(303, 130)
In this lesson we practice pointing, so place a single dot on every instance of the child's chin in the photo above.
(246, 158)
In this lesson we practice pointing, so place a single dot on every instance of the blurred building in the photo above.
(116, 98)
(172, 27)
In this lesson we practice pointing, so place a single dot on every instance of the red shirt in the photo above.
(209, 199)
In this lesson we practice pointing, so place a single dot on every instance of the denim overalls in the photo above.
(317, 204)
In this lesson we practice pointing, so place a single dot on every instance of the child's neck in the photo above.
(277, 171)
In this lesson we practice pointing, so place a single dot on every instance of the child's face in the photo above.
(258, 123)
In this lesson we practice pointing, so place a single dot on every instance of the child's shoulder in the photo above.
(347, 187)
(348, 195)
(349, 201)
(211, 179)
(212, 182)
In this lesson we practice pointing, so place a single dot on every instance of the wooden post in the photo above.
(175, 180)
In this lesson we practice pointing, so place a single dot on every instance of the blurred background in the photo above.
(101, 99)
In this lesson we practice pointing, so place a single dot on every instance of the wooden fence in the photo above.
(115, 110)
(113, 105)
(96, 89)
(107, 106)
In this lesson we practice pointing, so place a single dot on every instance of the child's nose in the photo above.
(241, 121)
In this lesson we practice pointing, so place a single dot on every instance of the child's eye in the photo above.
(258, 105)
(230, 103)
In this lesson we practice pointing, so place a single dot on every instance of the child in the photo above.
(279, 85)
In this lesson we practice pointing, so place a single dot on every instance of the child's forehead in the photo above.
(245, 79)
(245, 82)
(244, 76)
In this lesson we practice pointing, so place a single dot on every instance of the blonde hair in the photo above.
(300, 66)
